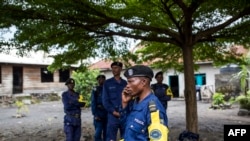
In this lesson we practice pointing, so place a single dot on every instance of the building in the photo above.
(29, 74)
(26, 75)
(204, 76)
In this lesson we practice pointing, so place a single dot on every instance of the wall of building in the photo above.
(31, 81)
(207, 69)
(6, 85)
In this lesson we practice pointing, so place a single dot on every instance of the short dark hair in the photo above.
(116, 64)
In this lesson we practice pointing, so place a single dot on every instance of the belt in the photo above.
(75, 115)
(100, 106)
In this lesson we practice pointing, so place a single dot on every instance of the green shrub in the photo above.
(85, 81)
(218, 98)
(21, 107)
(244, 101)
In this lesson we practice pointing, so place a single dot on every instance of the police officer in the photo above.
(162, 90)
(98, 111)
(112, 96)
(72, 108)
(135, 113)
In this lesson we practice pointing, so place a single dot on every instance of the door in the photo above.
(174, 84)
(17, 80)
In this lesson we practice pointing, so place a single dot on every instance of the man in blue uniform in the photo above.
(72, 109)
(98, 111)
(162, 90)
(134, 112)
(112, 91)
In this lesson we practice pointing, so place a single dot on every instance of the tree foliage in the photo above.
(174, 33)
(85, 81)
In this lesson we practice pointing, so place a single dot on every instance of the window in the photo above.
(46, 76)
(63, 75)
(200, 79)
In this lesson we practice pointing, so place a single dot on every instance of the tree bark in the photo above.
(189, 91)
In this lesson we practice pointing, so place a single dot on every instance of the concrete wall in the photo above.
(206, 69)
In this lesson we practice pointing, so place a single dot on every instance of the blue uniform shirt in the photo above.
(97, 107)
(160, 92)
(71, 107)
(112, 94)
(136, 118)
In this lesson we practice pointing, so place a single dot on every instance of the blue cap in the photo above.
(70, 81)
(139, 70)
(159, 73)
(100, 76)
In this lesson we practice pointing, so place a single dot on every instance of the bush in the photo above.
(218, 99)
(244, 101)
(85, 81)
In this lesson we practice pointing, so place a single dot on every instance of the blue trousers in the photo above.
(100, 130)
(112, 128)
(72, 132)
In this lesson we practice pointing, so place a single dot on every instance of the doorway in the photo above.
(174, 84)
(17, 80)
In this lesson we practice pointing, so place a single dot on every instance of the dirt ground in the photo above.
(44, 122)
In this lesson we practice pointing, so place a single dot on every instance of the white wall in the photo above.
(207, 69)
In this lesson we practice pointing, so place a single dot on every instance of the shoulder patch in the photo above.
(155, 134)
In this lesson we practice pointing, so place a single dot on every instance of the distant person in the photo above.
(142, 114)
(72, 102)
(98, 110)
(112, 97)
(161, 90)
(198, 90)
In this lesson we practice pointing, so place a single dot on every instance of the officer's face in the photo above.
(159, 78)
(135, 85)
(71, 86)
(116, 70)
(101, 81)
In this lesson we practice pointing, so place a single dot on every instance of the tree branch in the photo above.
(181, 5)
(145, 38)
(210, 31)
(125, 24)
(194, 5)
(169, 13)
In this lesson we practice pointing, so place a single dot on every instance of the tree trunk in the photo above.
(189, 91)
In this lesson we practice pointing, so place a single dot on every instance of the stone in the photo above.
(243, 112)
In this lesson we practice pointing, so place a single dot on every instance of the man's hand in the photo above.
(97, 118)
(126, 97)
(116, 114)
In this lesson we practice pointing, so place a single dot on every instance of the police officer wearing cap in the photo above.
(112, 96)
(72, 109)
(98, 110)
(135, 113)
(162, 90)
